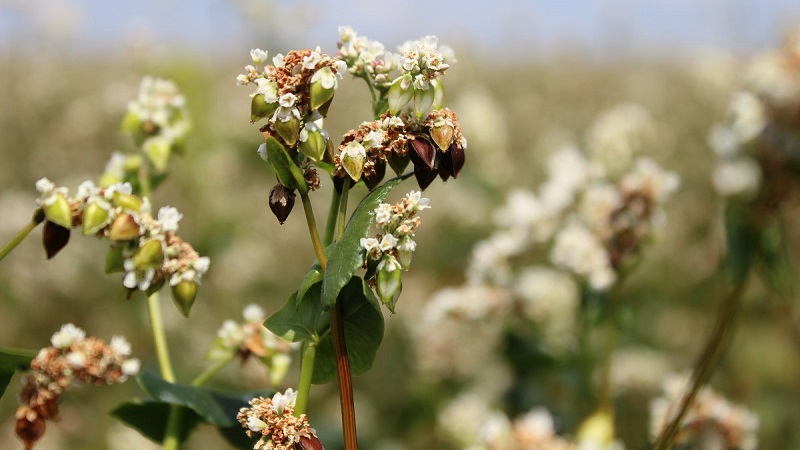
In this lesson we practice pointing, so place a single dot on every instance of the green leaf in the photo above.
(776, 265)
(286, 170)
(13, 360)
(363, 333)
(150, 417)
(215, 407)
(299, 321)
(345, 257)
(313, 276)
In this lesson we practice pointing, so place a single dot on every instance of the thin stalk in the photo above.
(341, 219)
(23, 233)
(171, 438)
(212, 370)
(330, 225)
(312, 230)
(715, 347)
(340, 347)
(306, 371)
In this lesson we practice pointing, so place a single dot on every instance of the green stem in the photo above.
(340, 347)
(715, 347)
(341, 220)
(306, 371)
(212, 370)
(312, 230)
(171, 438)
(38, 218)
(330, 225)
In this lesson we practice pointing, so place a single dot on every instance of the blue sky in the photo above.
(511, 28)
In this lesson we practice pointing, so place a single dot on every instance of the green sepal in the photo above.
(286, 170)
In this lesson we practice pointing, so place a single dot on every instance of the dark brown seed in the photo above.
(54, 238)
(281, 202)
(30, 431)
(309, 442)
(375, 177)
(455, 159)
(424, 150)
(398, 163)
(424, 175)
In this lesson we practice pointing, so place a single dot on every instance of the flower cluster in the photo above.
(252, 338)
(366, 58)
(591, 217)
(72, 360)
(273, 419)
(392, 248)
(145, 248)
(757, 145)
(292, 92)
(158, 120)
(710, 419)
(435, 146)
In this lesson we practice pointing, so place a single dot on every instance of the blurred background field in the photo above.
(525, 83)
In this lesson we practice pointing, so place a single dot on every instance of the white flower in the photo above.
(580, 251)
(287, 100)
(268, 88)
(388, 242)
(45, 186)
(417, 202)
(76, 360)
(86, 190)
(169, 217)
(354, 150)
(383, 214)
(136, 279)
(346, 33)
(120, 346)
(258, 56)
(231, 334)
(201, 265)
(253, 314)
(310, 61)
(369, 244)
(277, 60)
(255, 424)
(280, 401)
(374, 139)
(131, 366)
(68, 335)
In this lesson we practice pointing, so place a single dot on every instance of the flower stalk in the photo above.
(38, 218)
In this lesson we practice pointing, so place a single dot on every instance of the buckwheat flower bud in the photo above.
(281, 400)
(68, 335)
(253, 314)
(258, 56)
(256, 424)
(45, 186)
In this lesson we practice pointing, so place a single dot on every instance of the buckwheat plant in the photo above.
(757, 147)
(336, 313)
(149, 254)
(553, 267)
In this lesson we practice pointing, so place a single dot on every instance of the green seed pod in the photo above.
(149, 256)
(95, 218)
(323, 84)
(158, 150)
(400, 94)
(288, 130)
(127, 201)
(314, 145)
(353, 159)
(57, 210)
(183, 295)
(423, 102)
(389, 284)
(259, 108)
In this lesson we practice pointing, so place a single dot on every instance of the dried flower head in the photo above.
(273, 420)
(73, 360)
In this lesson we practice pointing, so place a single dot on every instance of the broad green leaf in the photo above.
(313, 276)
(345, 257)
(11, 361)
(215, 407)
(298, 321)
(363, 333)
(149, 418)
(285, 169)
